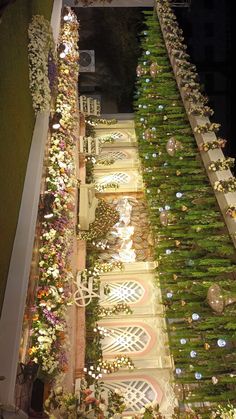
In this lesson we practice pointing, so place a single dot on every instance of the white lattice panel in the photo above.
(125, 339)
(112, 155)
(119, 177)
(137, 393)
(129, 292)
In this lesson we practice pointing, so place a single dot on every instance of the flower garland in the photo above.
(231, 211)
(120, 361)
(41, 45)
(207, 127)
(53, 291)
(212, 145)
(117, 309)
(221, 164)
(225, 186)
(200, 110)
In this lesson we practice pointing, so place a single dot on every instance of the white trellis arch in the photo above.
(129, 292)
(125, 339)
(137, 392)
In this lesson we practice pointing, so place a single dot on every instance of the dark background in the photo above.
(113, 34)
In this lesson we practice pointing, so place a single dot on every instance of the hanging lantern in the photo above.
(139, 71)
(164, 218)
(149, 134)
(153, 69)
(172, 146)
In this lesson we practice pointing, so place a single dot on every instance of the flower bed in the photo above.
(41, 59)
(54, 285)
(191, 248)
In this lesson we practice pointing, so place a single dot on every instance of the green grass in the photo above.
(16, 119)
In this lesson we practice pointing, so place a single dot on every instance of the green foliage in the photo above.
(192, 248)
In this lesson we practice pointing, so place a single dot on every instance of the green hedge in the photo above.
(193, 250)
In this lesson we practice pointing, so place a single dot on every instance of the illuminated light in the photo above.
(178, 371)
(62, 54)
(168, 251)
(47, 216)
(179, 194)
(195, 316)
(221, 343)
(169, 294)
(198, 375)
(183, 341)
(147, 53)
(193, 354)
(161, 209)
(56, 125)
(147, 80)
(160, 107)
(167, 207)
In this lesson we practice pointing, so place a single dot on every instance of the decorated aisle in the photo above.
(196, 257)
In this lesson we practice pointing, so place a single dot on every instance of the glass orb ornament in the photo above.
(160, 107)
(169, 294)
(193, 354)
(153, 69)
(178, 371)
(195, 316)
(179, 195)
(147, 52)
(183, 341)
(168, 251)
(221, 343)
(198, 375)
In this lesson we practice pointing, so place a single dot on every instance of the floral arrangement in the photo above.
(62, 403)
(225, 185)
(207, 127)
(231, 211)
(121, 361)
(87, 403)
(101, 187)
(116, 309)
(105, 218)
(150, 411)
(116, 403)
(221, 164)
(54, 285)
(41, 47)
(200, 110)
(224, 412)
(212, 145)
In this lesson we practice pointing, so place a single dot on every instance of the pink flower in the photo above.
(90, 400)
(87, 391)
